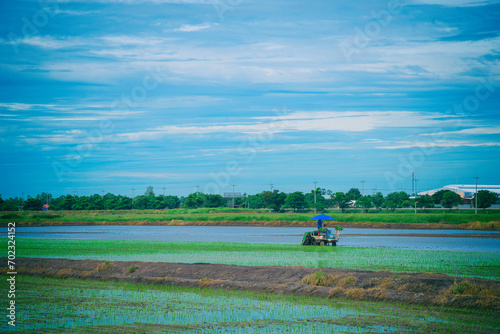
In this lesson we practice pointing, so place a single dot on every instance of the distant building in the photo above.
(466, 191)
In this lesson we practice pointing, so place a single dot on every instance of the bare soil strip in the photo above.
(410, 288)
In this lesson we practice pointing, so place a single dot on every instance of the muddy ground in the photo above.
(410, 288)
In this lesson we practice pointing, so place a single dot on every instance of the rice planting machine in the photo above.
(322, 236)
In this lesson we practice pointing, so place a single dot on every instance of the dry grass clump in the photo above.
(132, 268)
(335, 291)
(158, 280)
(205, 281)
(355, 293)
(468, 288)
(415, 287)
(380, 295)
(348, 280)
(320, 278)
(492, 226)
(63, 273)
(103, 266)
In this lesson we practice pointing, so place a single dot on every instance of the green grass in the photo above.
(229, 216)
(464, 264)
(45, 305)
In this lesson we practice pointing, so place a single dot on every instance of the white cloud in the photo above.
(353, 121)
(189, 27)
(142, 175)
(77, 12)
(25, 106)
(470, 131)
(452, 3)
(437, 143)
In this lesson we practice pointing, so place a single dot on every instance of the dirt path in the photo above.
(411, 288)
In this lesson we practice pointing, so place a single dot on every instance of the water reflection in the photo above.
(458, 240)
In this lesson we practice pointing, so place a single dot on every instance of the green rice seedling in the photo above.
(79, 306)
(462, 264)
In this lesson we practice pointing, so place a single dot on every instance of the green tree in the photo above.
(320, 199)
(141, 202)
(407, 203)
(438, 195)
(194, 200)
(170, 202)
(395, 200)
(149, 191)
(33, 204)
(123, 203)
(274, 200)
(67, 203)
(353, 194)
(341, 200)
(451, 199)
(256, 201)
(214, 201)
(485, 199)
(378, 200)
(365, 202)
(295, 200)
(425, 201)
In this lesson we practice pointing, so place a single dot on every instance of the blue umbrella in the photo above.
(322, 217)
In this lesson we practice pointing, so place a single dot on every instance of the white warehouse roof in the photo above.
(464, 190)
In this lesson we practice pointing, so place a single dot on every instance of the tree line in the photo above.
(321, 199)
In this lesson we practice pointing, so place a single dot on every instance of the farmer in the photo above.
(320, 227)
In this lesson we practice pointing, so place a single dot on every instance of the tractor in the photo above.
(322, 236)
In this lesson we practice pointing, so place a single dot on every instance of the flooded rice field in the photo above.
(453, 240)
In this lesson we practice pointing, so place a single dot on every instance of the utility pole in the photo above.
(416, 196)
(475, 206)
(363, 187)
(375, 190)
(271, 184)
(102, 193)
(74, 193)
(133, 197)
(197, 190)
(22, 197)
(234, 185)
(164, 190)
(315, 196)
(413, 183)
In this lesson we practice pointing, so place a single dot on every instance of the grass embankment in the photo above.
(462, 219)
(462, 264)
(80, 306)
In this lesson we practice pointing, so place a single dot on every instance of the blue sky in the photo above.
(122, 94)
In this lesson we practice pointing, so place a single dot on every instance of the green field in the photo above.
(465, 264)
(487, 220)
(80, 306)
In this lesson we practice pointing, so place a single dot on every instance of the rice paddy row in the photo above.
(462, 264)
(77, 306)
